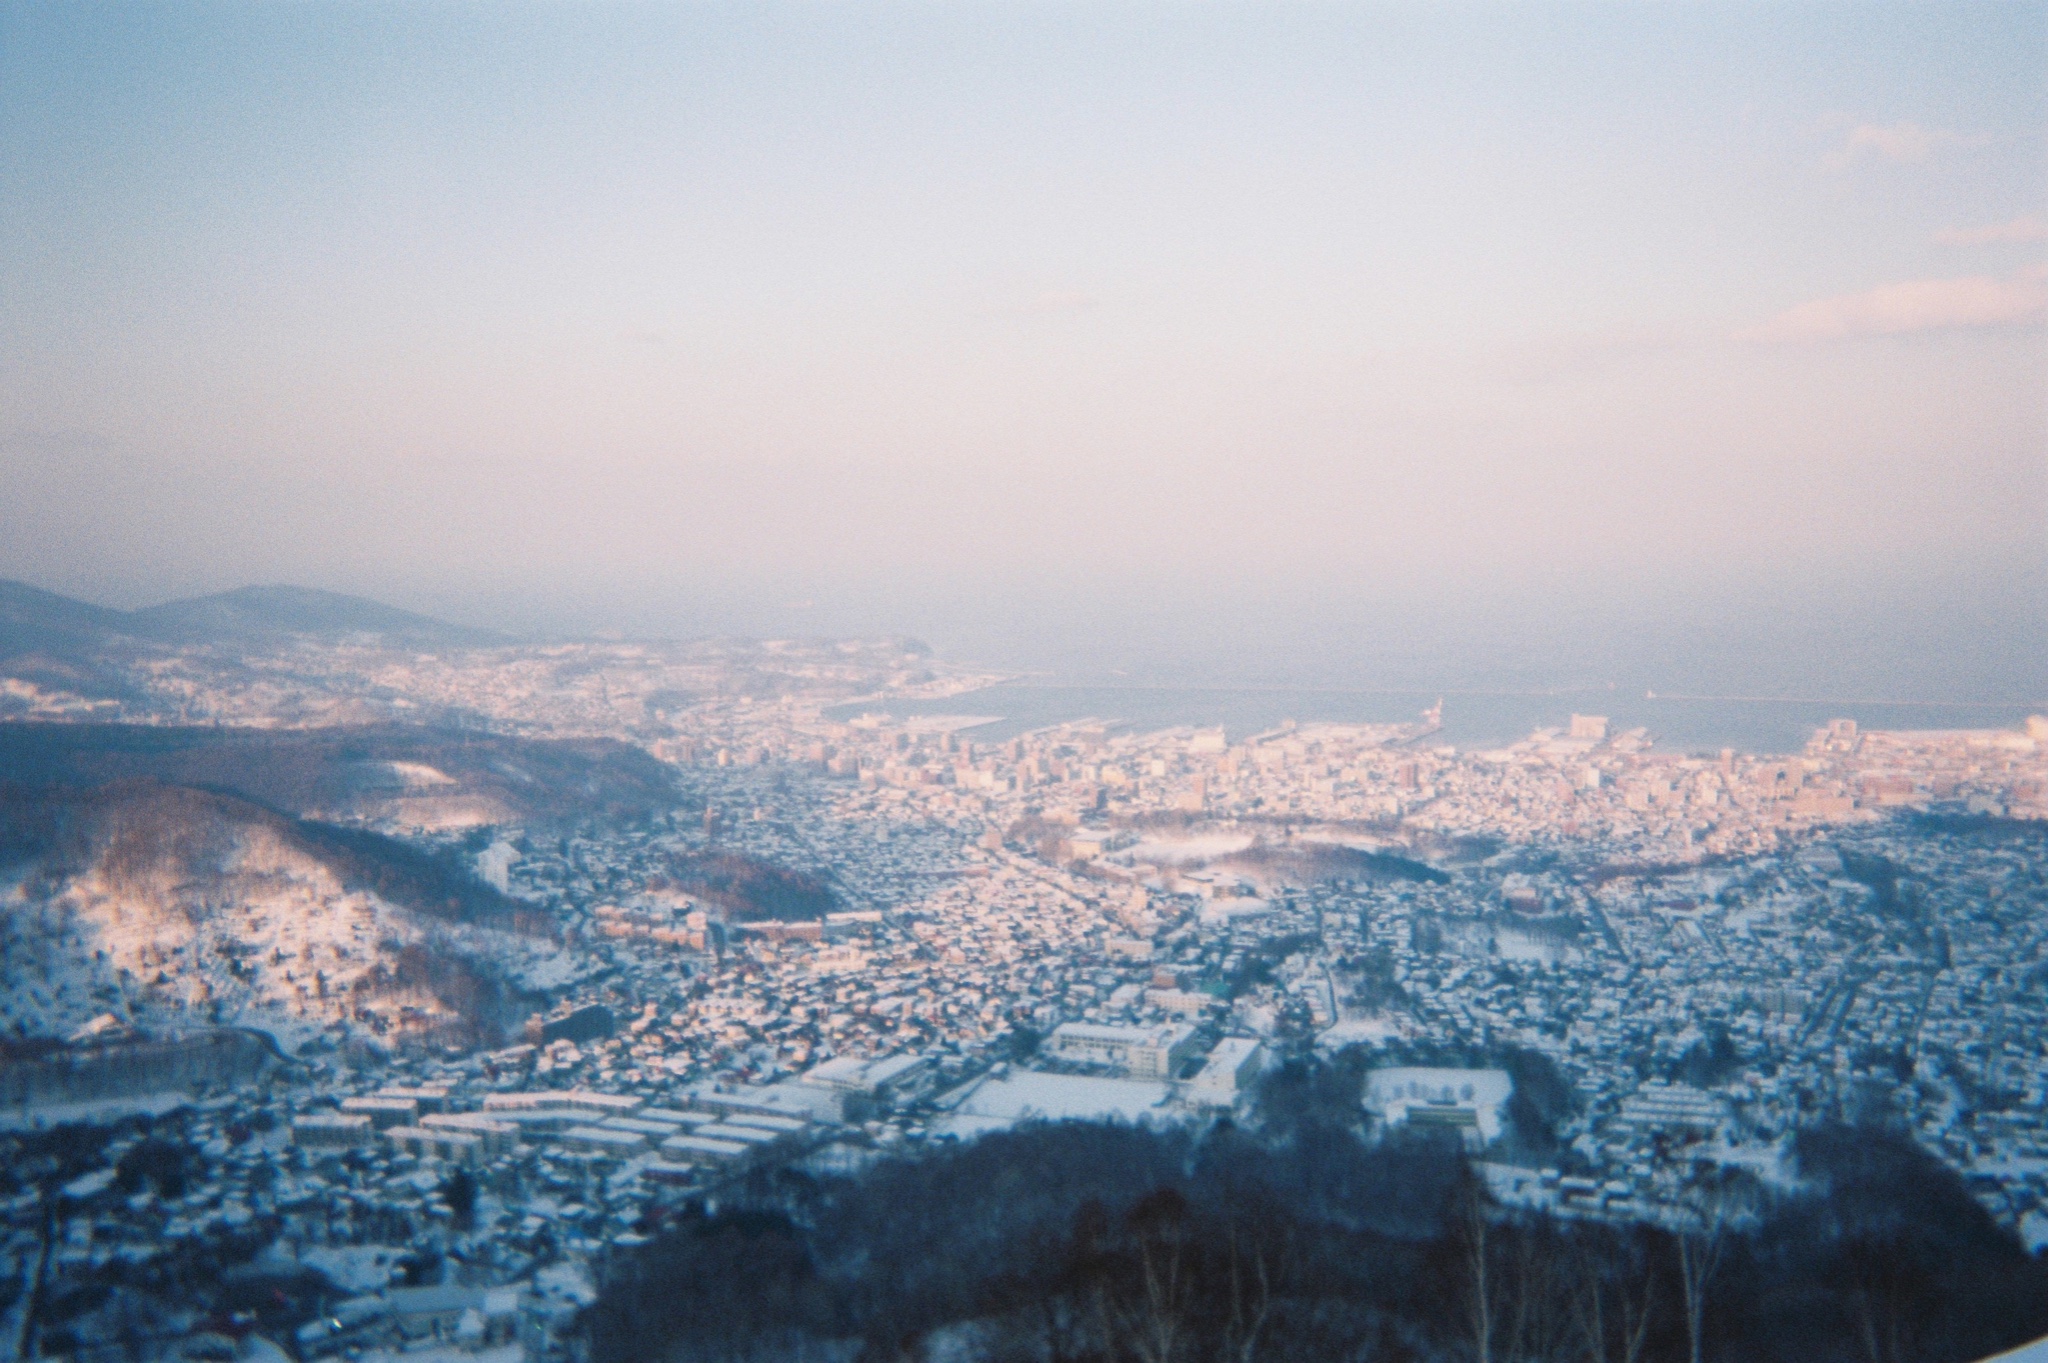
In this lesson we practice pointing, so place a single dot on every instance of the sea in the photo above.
(1472, 719)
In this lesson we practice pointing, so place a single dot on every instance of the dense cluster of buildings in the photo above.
(1778, 932)
(1091, 922)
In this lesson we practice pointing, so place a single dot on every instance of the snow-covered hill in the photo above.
(163, 905)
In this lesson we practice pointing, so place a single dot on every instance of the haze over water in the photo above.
(1469, 720)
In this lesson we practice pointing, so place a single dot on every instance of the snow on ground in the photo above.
(1334, 837)
(99, 1112)
(446, 813)
(545, 971)
(1379, 1027)
(418, 775)
(1171, 851)
(562, 1289)
(355, 1268)
(1510, 945)
(494, 865)
(1220, 912)
(446, 1353)
(1025, 1095)
(532, 963)
(252, 930)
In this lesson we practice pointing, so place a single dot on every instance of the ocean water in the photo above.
(1471, 719)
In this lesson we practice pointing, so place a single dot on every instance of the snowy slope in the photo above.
(160, 905)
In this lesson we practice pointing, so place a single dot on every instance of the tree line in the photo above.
(1091, 1243)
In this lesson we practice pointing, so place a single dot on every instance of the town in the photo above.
(1595, 965)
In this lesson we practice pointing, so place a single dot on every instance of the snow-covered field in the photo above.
(1200, 847)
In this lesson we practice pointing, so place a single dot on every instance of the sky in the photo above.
(1271, 340)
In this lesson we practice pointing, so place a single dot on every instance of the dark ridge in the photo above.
(1323, 862)
(331, 771)
(1555, 928)
(748, 889)
(1456, 847)
(490, 1006)
(1983, 827)
(1881, 877)
(438, 884)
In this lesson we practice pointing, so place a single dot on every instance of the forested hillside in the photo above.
(1076, 1242)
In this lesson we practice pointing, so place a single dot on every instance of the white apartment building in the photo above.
(1141, 1052)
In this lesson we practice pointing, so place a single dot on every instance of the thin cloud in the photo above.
(2028, 228)
(1920, 305)
(1903, 143)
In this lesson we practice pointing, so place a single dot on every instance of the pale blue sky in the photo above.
(645, 316)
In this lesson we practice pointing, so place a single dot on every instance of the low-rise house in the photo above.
(383, 1112)
(442, 1143)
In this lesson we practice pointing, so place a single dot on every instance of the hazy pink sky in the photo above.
(596, 315)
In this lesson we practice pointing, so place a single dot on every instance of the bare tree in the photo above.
(1140, 1278)
(51, 1218)
(1251, 1296)
(1888, 1292)
(1610, 1302)
(1714, 1204)
(1532, 1278)
(1699, 1255)
(1160, 1317)
(1471, 1227)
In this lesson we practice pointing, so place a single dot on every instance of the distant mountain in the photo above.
(268, 614)
(56, 645)
(34, 622)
